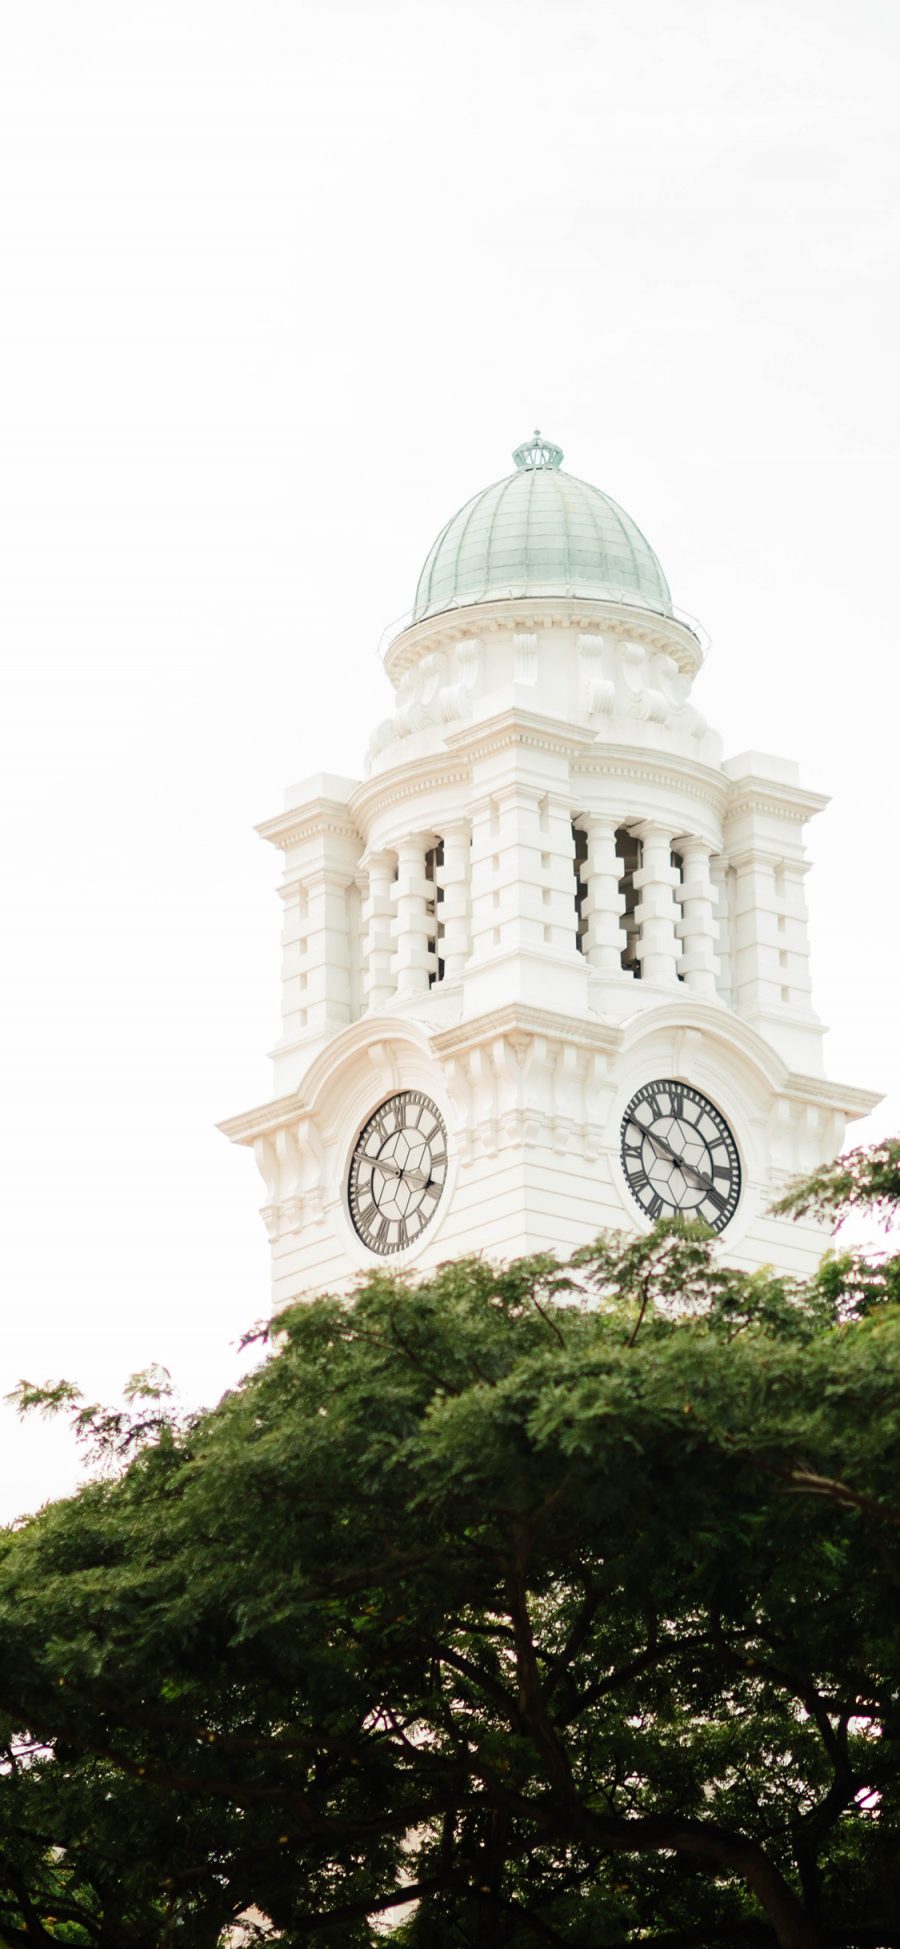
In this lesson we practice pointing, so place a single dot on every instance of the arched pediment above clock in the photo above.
(696, 1031)
(380, 1053)
(786, 1121)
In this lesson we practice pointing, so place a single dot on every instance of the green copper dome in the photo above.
(540, 532)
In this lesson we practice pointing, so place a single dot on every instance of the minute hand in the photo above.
(688, 1171)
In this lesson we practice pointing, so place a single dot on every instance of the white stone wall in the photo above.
(431, 941)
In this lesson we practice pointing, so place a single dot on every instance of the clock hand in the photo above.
(656, 1143)
(688, 1171)
(696, 1178)
(392, 1170)
(660, 1147)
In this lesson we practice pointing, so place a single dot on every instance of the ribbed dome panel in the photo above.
(540, 532)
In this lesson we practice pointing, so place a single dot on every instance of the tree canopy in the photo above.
(549, 1604)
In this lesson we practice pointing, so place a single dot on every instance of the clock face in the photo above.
(679, 1155)
(397, 1172)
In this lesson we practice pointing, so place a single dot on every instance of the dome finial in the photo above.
(537, 453)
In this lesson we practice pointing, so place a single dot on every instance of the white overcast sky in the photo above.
(281, 284)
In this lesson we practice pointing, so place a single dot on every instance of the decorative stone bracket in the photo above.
(436, 691)
(291, 1162)
(631, 679)
(525, 1078)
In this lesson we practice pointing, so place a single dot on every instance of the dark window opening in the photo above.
(580, 853)
(630, 852)
(678, 864)
(434, 860)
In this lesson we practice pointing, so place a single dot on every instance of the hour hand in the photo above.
(695, 1177)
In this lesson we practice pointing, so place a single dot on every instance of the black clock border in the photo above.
(677, 1083)
(394, 1096)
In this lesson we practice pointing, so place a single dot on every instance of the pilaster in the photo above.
(320, 971)
(377, 919)
(453, 885)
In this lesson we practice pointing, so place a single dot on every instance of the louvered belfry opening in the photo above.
(630, 852)
(434, 860)
(580, 853)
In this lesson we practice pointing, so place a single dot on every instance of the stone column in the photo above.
(453, 881)
(556, 873)
(697, 926)
(604, 937)
(656, 913)
(377, 916)
(413, 962)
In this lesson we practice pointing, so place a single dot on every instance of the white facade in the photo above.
(476, 920)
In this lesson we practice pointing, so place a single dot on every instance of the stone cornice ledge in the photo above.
(753, 794)
(519, 1018)
(308, 821)
(262, 1121)
(520, 727)
(680, 638)
(633, 761)
(402, 781)
(832, 1096)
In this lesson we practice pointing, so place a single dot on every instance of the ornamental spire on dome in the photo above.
(535, 453)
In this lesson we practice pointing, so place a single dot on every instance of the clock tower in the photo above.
(546, 966)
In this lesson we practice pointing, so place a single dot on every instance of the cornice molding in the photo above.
(825, 1095)
(471, 620)
(633, 762)
(768, 795)
(531, 729)
(264, 1119)
(751, 855)
(368, 1032)
(521, 1018)
(310, 821)
(376, 795)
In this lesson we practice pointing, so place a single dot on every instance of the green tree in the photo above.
(555, 1604)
